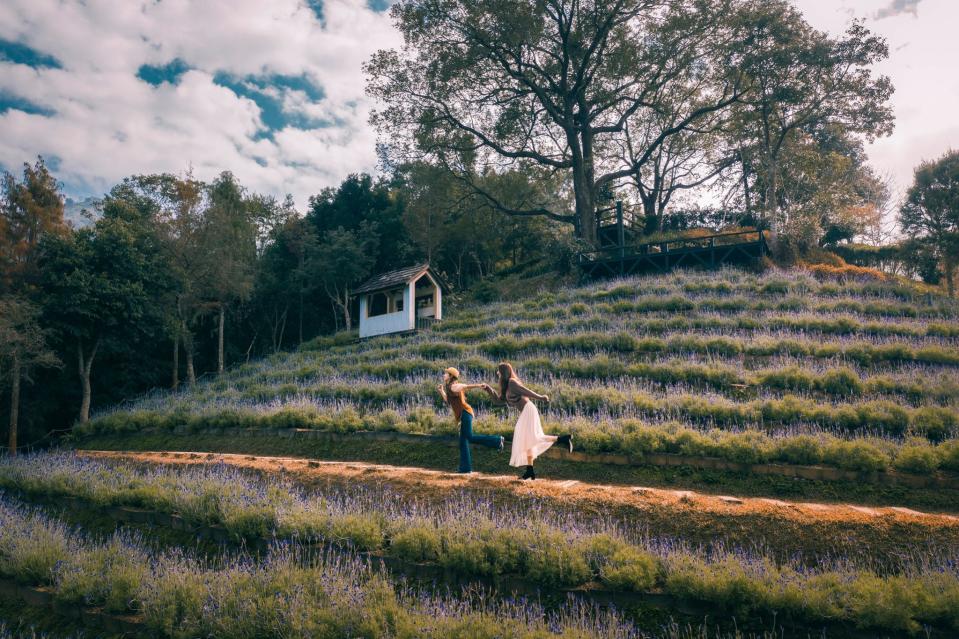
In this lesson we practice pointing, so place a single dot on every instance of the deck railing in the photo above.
(708, 251)
(675, 245)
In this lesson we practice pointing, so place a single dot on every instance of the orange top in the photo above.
(457, 402)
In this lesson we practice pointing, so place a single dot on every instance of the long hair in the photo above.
(506, 373)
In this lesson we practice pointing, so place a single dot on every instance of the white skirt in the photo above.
(529, 440)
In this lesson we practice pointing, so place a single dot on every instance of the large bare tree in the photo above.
(501, 84)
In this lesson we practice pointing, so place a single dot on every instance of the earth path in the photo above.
(590, 496)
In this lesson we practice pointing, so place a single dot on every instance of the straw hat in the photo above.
(455, 374)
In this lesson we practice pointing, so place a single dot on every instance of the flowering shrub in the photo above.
(289, 593)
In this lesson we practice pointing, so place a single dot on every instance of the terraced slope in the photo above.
(749, 368)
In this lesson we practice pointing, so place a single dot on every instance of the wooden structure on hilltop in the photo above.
(620, 255)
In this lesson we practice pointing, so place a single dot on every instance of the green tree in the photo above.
(685, 160)
(492, 86)
(23, 345)
(104, 286)
(340, 260)
(283, 279)
(227, 247)
(460, 233)
(178, 204)
(30, 209)
(930, 214)
(801, 80)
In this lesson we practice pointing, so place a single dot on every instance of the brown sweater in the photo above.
(517, 395)
(457, 402)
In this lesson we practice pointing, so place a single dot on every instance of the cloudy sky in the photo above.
(273, 91)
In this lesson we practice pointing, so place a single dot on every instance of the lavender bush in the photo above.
(475, 538)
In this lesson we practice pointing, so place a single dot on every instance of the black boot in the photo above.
(529, 474)
(566, 440)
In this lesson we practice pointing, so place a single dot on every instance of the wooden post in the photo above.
(620, 231)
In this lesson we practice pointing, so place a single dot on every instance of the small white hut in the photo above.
(400, 301)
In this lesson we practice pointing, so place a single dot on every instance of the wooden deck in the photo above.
(744, 247)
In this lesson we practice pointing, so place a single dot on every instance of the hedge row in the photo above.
(628, 436)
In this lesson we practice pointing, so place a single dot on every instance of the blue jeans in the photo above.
(467, 437)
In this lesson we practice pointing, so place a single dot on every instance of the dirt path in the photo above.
(420, 481)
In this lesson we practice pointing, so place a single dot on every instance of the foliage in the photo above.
(930, 214)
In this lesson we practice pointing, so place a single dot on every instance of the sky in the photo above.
(274, 91)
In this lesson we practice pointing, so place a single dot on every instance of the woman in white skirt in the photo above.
(529, 440)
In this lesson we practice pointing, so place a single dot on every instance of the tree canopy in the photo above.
(504, 85)
(930, 214)
(661, 94)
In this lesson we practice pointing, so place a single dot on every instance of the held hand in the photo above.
(546, 398)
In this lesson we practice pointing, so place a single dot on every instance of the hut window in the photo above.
(378, 304)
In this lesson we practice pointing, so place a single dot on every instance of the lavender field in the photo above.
(778, 367)
(313, 578)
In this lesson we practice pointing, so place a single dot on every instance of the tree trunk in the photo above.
(219, 339)
(14, 401)
(188, 351)
(583, 188)
(746, 200)
(772, 186)
(175, 381)
(346, 314)
(652, 220)
(950, 272)
(300, 336)
(279, 343)
(85, 366)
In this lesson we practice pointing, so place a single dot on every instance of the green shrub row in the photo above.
(652, 303)
(841, 382)
(549, 556)
(628, 436)
(685, 323)
(838, 382)
(862, 353)
(874, 416)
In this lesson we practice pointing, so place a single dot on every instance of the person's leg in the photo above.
(490, 441)
(466, 433)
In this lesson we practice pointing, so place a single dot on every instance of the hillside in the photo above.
(751, 400)
(748, 368)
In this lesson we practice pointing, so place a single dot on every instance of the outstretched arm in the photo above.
(459, 388)
(493, 394)
(519, 389)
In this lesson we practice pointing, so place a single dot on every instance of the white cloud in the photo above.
(108, 124)
(898, 7)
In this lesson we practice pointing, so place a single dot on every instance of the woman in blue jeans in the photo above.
(454, 394)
